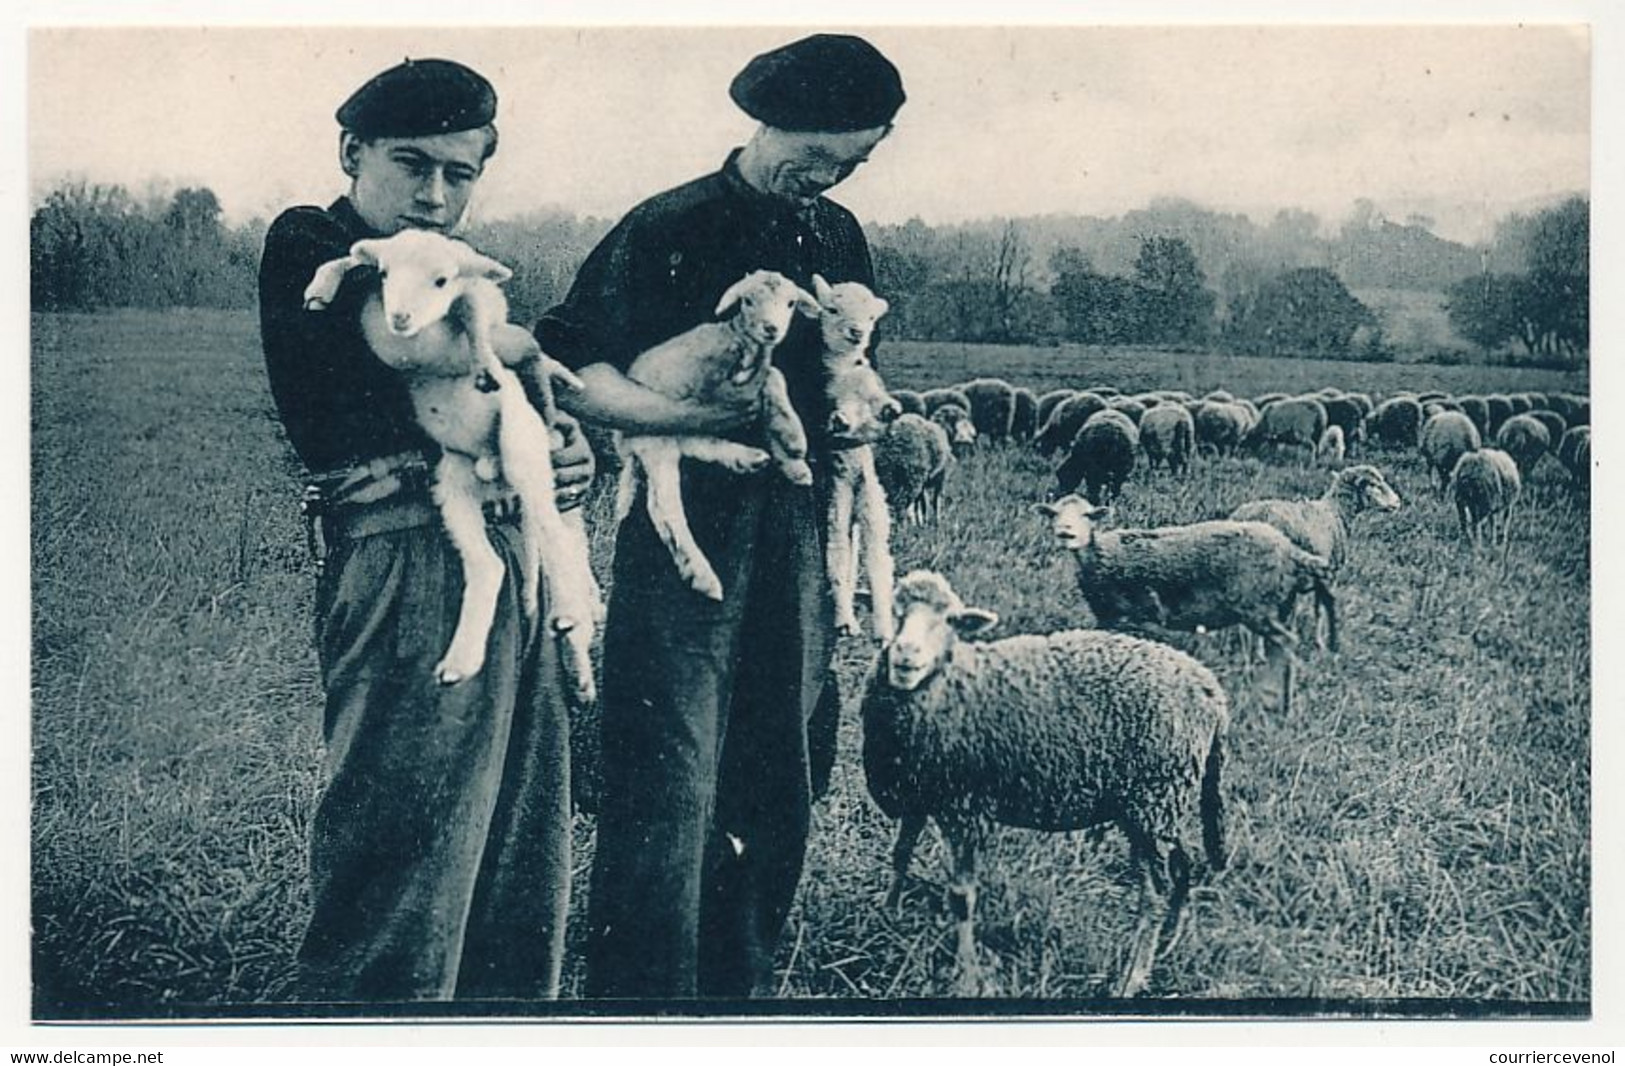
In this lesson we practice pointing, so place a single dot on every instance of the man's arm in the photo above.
(612, 398)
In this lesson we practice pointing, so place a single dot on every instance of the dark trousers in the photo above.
(707, 790)
(440, 846)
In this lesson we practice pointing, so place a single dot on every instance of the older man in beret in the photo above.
(708, 770)
(440, 842)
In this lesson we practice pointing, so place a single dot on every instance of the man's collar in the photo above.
(345, 211)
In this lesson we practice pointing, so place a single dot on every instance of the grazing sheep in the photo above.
(1024, 422)
(910, 401)
(911, 463)
(956, 422)
(1485, 485)
(1500, 409)
(1574, 452)
(1220, 396)
(1101, 458)
(1220, 426)
(1207, 575)
(1104, 391)
(992, 407)
(1147, 400)
(1292, 423)
(1566, 405)
(1525, 439)
(1331, 449)
(1396, 422)
(1054, 733)
(1556, 425)
(1346, 413)
(1446, 437)
(1321, 526)
(858, 522)
(1475, 408)
(1134, 409)
(436, 317)
(1268, 398)
(1168, 435)
(1047, 402)
(1521, 403)
(938, 398)
(734, 354)
(1066, 419)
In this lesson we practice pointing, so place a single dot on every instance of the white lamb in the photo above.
(439, 318)
(696, 364)
(861, 412)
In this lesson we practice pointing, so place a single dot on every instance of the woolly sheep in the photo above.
(1054, 733)
(1521, 403)
(1525, 439)
(1168, 435)
(1574, 452)
(437, 316)
(1500, 409)
(1396, 422)
(1331, 449)
(911, 463)
(1485, 485)
(733, 354)
(956, 422)
(1346, 413)
(1220, 426)
(1024, 422)
(992, 407)
(910, 401)
(1321, 526)
(1475, 408)
(1556, 425)
(1066, 419)
(1207, 576)
(1101, 457)
(1134, 409)
(1446, 437)
(941, 397)
(1297, 422)
(1047, 403)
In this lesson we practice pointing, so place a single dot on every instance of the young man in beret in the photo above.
(440, 843)
(708, 776)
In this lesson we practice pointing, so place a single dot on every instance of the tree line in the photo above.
(1174, 274)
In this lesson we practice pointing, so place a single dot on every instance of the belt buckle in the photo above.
(502, 509)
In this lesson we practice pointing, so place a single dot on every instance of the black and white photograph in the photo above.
(711, 520)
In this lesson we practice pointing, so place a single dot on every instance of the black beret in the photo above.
(827, 83)
(419, 98)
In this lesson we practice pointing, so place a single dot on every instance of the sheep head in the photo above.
(848, 312)
(1073, 519)
(767, 301)
(1364, 487)
(930, 620)
(421, 274)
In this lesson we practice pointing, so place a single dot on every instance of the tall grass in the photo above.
(1419, 827)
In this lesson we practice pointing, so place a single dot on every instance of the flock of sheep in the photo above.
(1089, 726)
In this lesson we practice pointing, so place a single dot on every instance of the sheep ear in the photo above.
(881, 306)
(1099, 514)
(821, 289)
(805, 302)
(972, 621)
(483, 266)
(1047, 509)
(365, 253)
(731, 297)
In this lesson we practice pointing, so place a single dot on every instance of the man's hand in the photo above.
(572, 463)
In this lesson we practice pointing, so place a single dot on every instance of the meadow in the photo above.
(1418, 829)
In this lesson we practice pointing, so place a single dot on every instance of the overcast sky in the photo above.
(1459, 123)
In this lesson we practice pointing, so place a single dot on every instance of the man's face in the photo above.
(803, 166)
(414, 182)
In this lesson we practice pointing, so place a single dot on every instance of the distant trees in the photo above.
(1166, 301)
(1542, 301)
(1303, 311)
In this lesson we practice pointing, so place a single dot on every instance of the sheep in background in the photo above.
(935, 399)
(1047, 404)
(1297, 422)
(1500, 409)
(1524, 438)
(1321, 526)
(1346, 413)
(437, 317)
(1396, 422)
(1024, 422)
(1102, 456)
(1066, 419)
(1220, 426)
(1446, 437)
(911, 462)
(734, 354)
(1556, 425)
(910, 401)
(1485, 485)
(956, 422)
(1168, 435)
(1574, 452)
(1331, 449)
(1205, 576)
(1054, 733)
(1476, 409)
(992, 407)
(1134, 409)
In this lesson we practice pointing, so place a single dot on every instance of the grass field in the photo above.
(1418, 828)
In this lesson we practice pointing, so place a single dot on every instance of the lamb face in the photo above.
(1072, 519)
(848, 313)
(421, 274)
(930, 619)
(767, 301)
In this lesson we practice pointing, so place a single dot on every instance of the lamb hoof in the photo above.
(455, 669)
(847, 625)
(749, 461)
(798, 472)
(706, 584)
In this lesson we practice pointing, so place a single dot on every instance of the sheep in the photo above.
(1446, 437)
(1054, 732)
(1102, 456)
(1295, 422)
(1574, 452)
(1485, 485)
(1331, 449)
(1396, 422)
(1024, 422)
(860, 411)
(1220, 426)
(956, 421)
(1500, 409)
(935, 398)
(1066, 419)
(1346, 413)
(1204, 576)
(911, 463)
(910, 401)
(1525, 439)
(1556, 425)
(1168, 435)
(1477, 409)
(1269, 398)
(1566, 405)
(992, 407)
(1321, 526)
(1048, 402)
(735, 354)
(1521, 403)
(1134, 409)
(438, 317)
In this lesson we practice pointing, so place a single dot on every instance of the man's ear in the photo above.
(972, 621)
(349, 153)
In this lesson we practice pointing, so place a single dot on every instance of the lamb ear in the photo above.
(1047, 509)
(483, 266)
(365, 253)
(821, 289)
(881, 306)
(805, 302)
(971, 621)
(731, 297)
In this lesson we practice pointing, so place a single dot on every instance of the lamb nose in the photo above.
(401, 320)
